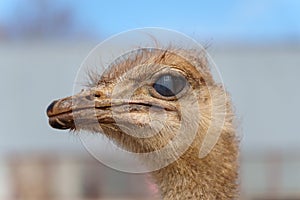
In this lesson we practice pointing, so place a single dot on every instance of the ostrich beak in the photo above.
(84, 107)
(60, 113)
(96, 106)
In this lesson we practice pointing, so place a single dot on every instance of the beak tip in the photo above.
(50, 108)
(60, 114)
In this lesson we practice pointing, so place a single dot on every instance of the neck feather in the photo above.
(212, 177)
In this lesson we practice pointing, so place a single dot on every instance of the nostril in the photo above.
(97, 95)
(50, 107)
(92, 96)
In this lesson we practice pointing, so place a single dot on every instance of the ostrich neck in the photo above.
(214, 177)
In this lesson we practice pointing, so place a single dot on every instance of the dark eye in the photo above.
(169, 85)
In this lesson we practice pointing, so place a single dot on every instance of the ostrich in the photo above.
(161, 82)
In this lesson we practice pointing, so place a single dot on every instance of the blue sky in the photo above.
(231, 19)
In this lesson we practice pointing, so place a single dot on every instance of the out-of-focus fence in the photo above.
(28, 177)
(45, 177)
(273, 175)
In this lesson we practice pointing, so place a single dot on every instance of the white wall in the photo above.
(32, 75)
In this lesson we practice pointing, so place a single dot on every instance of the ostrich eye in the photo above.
(169, 85)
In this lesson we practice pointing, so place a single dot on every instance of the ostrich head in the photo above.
(143, 101)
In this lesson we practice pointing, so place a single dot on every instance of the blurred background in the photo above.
(255, 44)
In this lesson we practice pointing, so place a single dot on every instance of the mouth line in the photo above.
(108, 107)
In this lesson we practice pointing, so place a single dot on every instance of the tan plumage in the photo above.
(129, 81)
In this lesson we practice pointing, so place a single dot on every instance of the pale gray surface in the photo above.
(263, 82)
(32, 75)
